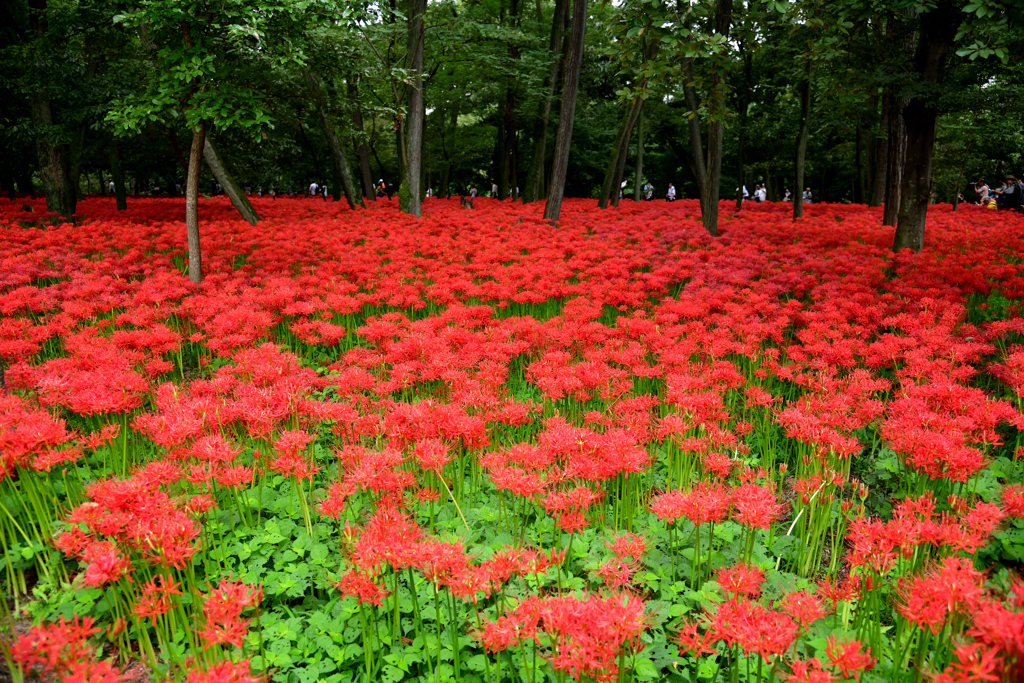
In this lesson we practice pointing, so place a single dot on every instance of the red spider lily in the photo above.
(692, 641)
(756, 506)
(953, 585)
(584, 636)
(754, 628)
(222, 613)
(808, 671)
(58, 647)
(104, 563)
(628, 544)
(740, 580)
(362, 587)
(848, 658)
(225, 672)
(432, 455)
(803, 607)
(974, 663)
(155, 597)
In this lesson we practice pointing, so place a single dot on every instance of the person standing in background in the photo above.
(313, 187)
(807, 196)
(671, 196)
(983, 192)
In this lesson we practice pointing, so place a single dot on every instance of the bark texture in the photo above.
(938, 27)
(195, 257)
(560, 164)
(801, 143)
(534, 188)
(235, 193)
(411, 193)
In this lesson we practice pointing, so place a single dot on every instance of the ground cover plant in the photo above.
(477, 447)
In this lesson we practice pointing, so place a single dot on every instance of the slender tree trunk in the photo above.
(176, 148)
(620, 171)
(638, 183)
(858, 186)
(506, 179)
(620, 149)
(716, 130)
(938, 27)
(744, 107)
(195, 258)
(881, 156)
(414, 149)
(801, 144)
(341, 167)
(117, 175)
(534, 188)
(360, 144)
(693, 122)
(234, 192)
(75, 161)
(560, 164)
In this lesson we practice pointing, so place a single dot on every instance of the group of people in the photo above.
(1005, 197)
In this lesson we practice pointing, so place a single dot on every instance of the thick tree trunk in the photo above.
(534, 188)
(360, 131)
(118, 177)
(560, 164)
(235, 193)
(638, 183)
(895, 159)
(195, 258)
(620, 148)
(341, 168)
(938, 28)
(53, 168)
(801, 144)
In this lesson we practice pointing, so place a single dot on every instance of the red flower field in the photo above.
(478, 447)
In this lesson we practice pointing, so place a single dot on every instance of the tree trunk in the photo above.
(895, 159)
(341, 168)
(53, 168)
(744, 107)
(195, 258)
(858, 186)
(506, 176)
(801, 144)
(620, 171)
(881, 154)
(118, 177)
(360, 144)
(414, 148)
(620, 149)
(938, 27)
(693, 122)
(716, 130)
(235, 193)
(638, 183)
(534, 188)
(560, 164)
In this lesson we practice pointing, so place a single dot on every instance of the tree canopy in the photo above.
(888, 101)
